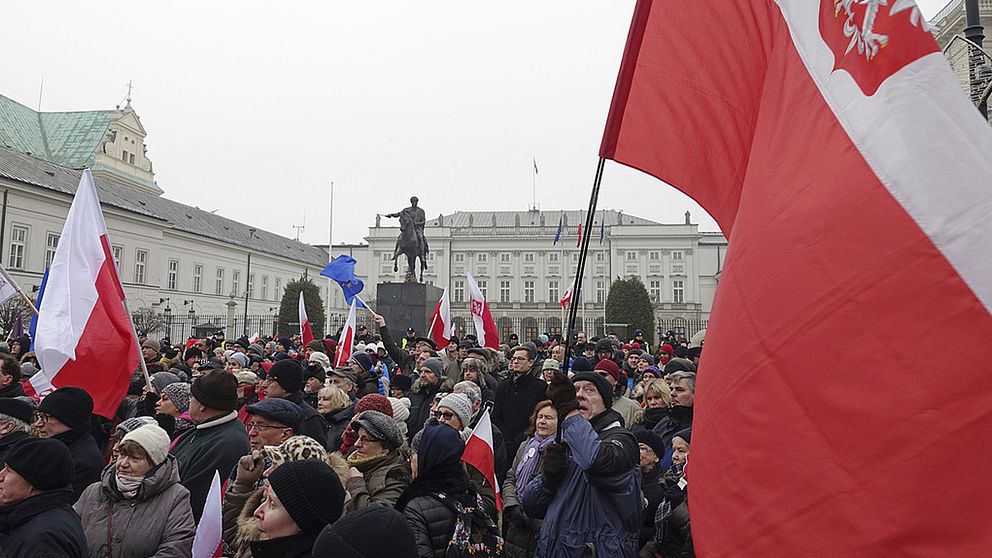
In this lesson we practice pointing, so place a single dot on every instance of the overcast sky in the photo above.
(253, 108)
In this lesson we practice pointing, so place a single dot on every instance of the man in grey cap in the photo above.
(345, 379)
(273, 421)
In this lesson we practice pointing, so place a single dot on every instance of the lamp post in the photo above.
(251, 234)
(975, 33)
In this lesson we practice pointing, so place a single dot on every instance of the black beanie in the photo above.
(359, 534)
(16, 408)
(70, 404)
(217, 389)
(310, 491)
(651, 440)
(602, 385)
(45, 463)
(288, 373)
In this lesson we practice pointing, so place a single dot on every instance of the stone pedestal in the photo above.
(406, 305)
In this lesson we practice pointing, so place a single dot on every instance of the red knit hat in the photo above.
(608, 366)
(374, 402)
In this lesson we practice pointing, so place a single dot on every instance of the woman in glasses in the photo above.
(379, 470)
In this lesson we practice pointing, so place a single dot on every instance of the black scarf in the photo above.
(13, 515)
(604, 419)
(449, 479)
(298, 545)
(652, 416)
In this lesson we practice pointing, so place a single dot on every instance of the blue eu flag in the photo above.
(342, 271)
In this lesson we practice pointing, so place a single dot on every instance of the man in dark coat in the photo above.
(10, 377)
(516, 398)
(66, 415)
(36, 517)
(285, 381)
(218, 440)
(15, 424)
(428, 385)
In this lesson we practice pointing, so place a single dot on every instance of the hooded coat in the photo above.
(598, 504)
(158, 522)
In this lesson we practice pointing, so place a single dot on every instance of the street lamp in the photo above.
(251, 234)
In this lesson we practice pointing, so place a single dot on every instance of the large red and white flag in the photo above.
(207, 540)
(832, 144)
(442, 326)
(85, 337)
(346, 343)
(479, 453)
(485, 326)
(566, 296)
(306, 334)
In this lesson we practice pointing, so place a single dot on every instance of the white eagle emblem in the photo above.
(864, 37)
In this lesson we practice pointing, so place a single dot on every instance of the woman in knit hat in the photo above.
(371, 402)
(671, 520)
(172, 409)
(138, 507)
(301, 498)
(379, 470)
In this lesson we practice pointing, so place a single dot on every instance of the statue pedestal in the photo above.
(406, 305)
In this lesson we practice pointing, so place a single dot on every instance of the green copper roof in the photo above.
(69, 139)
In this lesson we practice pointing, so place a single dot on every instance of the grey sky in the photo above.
(253, 108)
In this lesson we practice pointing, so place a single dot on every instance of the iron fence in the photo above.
(179, 327)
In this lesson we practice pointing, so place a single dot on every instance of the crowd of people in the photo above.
(590, 445)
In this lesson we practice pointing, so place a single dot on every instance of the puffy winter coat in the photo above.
(383, 481)
(214, 445)
(598, 504)
(42, 526)
(157, 522)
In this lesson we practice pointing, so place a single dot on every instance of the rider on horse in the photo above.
(418, 218)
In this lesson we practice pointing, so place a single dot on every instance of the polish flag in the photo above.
(854, 184)
(207, 540)
(346, 344)
(485, 326)
(479, 453)
(85, 337)
(566, 296)
(442, 327)
(306, 334)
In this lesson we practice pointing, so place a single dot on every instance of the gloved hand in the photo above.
(555, 465)
(516, 516)
(561, 392)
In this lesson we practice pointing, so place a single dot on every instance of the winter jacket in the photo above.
(679, 418)
(42, 526)
(383, 481)
(14, 389)
(336, 423)
(312, 424)
(432, 522)
(654, 493)
(421, 397)
(87, 461)
(521, 542)
(451, 368)
(7, 442)
(628, 409)
(598, 504)
(515, 402)
(157, 522)
(407, 363)
(213, 445)
(299, 545)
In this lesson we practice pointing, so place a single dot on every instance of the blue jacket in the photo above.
(599, 503)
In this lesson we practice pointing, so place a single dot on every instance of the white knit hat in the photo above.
(401, 408)
(152, 439)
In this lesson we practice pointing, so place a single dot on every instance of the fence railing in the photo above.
(179, 327)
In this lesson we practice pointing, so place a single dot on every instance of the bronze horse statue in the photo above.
(407, 243)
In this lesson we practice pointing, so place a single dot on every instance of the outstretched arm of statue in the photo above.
(391, 215)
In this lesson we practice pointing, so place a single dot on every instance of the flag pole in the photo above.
(27, 300)
(141, 358)
(367, 306)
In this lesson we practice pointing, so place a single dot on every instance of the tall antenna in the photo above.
(40, 91)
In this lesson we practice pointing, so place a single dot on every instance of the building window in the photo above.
(173, 275)
(140, 259)
(654, 255)
(130, 158)
(600, 291)
(553, 295)
(678, 291)
(458, 294)
(552, 270)
(251, 285)
(51, 245)
(654, 269)
(528, 291)
(265, 287)
(124, 155)
(118, 252)
(18, 242)
(632, 268)
(278, 293)
(600, 257)
(482, 257)
(678, 255)
(503, 258)
(219, 284)
(552, 256)
(529, 257)
(197, 278)
(386, 256)
(575, 257)
(483, 270)
(483, 287)
(504, 291)
(654, 290)
(631, 256)
(678, 268)
(235, 282)
(459, 258)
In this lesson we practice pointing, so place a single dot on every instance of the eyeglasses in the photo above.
(366, 440)
(446, 415)
(42, 418)
(261, 427)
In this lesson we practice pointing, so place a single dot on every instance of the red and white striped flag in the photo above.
(479, 453)
(207, 540)
(566, 296)
(442, 326)
(85, 337)
(854, 183)
(346, 343)
(485, 326)
(306, 334)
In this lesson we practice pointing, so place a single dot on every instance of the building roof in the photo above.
(533, 218)
(44, 174)
(70, 139)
